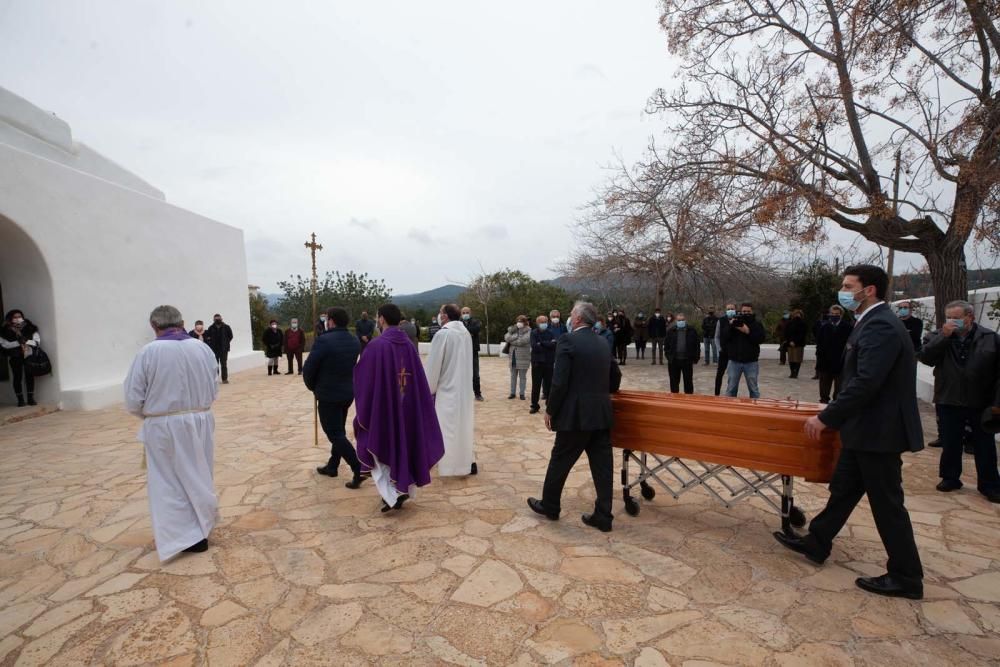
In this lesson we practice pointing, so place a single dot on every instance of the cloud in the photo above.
(590, 72)
(496, 232)
(420, 237)
(367, 224)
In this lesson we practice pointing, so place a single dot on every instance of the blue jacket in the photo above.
(543, 347)
(558, 330)
(329, 368)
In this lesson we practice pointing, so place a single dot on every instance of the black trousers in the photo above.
(17, 372)
(657, 344)
(223, 359)
(476, 389)
(541, 381)
(720, 372)
(566, 451)
(297, 355)
(333, 419)
(621, 349)
(826, 381)
(640, 348)
(879, 476)
(679, 367)
(952, 422)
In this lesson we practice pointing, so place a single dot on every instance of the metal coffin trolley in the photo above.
(733, 448)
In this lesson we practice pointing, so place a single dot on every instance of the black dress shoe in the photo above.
(511, 397)
(590, 520)
(474, 469)
(887, 585)
(536, 505)
(198, 547)
(534, 410)
(992, 496)
(288, 373)
(479, 397)
(403, 497)
(798, 544)
(946, 485)
(327, 470)
(355, 483)
(934, 443)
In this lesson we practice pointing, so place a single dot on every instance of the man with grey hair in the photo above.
(579, 411)
(966, 361)
(172, 386)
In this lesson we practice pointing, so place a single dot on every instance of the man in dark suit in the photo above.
(579, 411)
(329, 374)
(876, 414)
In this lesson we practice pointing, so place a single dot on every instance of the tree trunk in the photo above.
(948, 276)
(659, 294)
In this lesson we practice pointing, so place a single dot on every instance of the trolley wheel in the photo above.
(648, 492)
(632, 507)
(797, 517)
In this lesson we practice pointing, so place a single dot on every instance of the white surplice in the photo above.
(449, 374)
(172, 385)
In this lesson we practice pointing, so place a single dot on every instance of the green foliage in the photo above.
(260, 317)
(353, 291)
(498, 298)
(814, 289)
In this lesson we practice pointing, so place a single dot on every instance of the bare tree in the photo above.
(803, 105)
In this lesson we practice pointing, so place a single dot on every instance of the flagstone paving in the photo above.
(303, 571)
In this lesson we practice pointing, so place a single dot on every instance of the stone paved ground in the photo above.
(303, 571)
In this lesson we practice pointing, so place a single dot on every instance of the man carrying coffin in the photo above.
(395, 424)
(449, 374)
(171, 385)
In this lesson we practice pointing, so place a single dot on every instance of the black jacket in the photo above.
(364, 328)
(745, 348)
(220, 336)
(831, 339)
(915, 326)
(657, 326)
(876, 409)
(796, 331)
(968, 385)
(10, 334)
(708, 326)
(273, 340)
(206, 337)
(585, 376)
(329, 368)
(473, 326)
(723, 327)
(543, 346)
(693, 351)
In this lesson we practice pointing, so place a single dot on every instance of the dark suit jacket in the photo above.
(585, 376)
(329, 368)
(876, 410)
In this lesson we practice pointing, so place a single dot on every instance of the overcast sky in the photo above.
(417, 139)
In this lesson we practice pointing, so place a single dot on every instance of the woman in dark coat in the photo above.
(16, 336)
(622, 329)
(795, 334)
(273, 340)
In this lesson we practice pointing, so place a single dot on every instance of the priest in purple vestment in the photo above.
(395, 425)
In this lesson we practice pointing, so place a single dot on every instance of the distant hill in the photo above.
(917, 285)
(429, 300)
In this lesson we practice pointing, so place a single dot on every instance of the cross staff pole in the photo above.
(313, 247)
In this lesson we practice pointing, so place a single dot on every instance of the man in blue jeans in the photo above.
(744, 336)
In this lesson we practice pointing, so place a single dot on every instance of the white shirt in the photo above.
(860, 316)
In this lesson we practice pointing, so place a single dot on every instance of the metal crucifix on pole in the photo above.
(313, 247)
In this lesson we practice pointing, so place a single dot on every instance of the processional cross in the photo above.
(313, 247)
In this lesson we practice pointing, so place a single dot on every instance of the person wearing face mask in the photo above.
(781, 336)
(722, 342)
(556, 325)
(745, 335)
(795, 342)
(640, 330)
(320, 328)
(449, 375)
(683, 351)
(17, 335)
(657, 334)
(877, 415)
(364, 329)
(708, 325)
(409, 327)
(543, 357)
(602, 330)
(295, 343)
(622, 329)
(966, 361)
(220, 338)
(433, 329)
(474, 327)
(200, 332)
(831, 339)
(273, 340)
(518, 339)
(914, 325)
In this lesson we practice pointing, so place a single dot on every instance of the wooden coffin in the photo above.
(763, 434)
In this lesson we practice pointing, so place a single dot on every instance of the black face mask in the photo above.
(747, 316)
(218, 321)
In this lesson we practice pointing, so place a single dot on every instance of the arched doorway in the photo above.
(26, 284)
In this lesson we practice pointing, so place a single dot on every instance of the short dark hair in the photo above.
(197, 322)
(338, 315)
(390, 313)
(452, 311)
(216, 315)
(746, 304)
(869, 274)
(11, 313)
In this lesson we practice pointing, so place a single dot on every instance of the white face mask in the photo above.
(520, 325)
(18, 321)
(274, 326)
(555, 320)
(323, 318)
(295, 325)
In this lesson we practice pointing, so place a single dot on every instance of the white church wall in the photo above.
(113, 254)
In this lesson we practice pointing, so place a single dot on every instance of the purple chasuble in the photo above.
(176, 333)
(395, 419)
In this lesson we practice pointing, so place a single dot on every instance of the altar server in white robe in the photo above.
(449, 374)
(172, 386)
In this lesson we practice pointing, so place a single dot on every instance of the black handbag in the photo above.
(37, 363)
